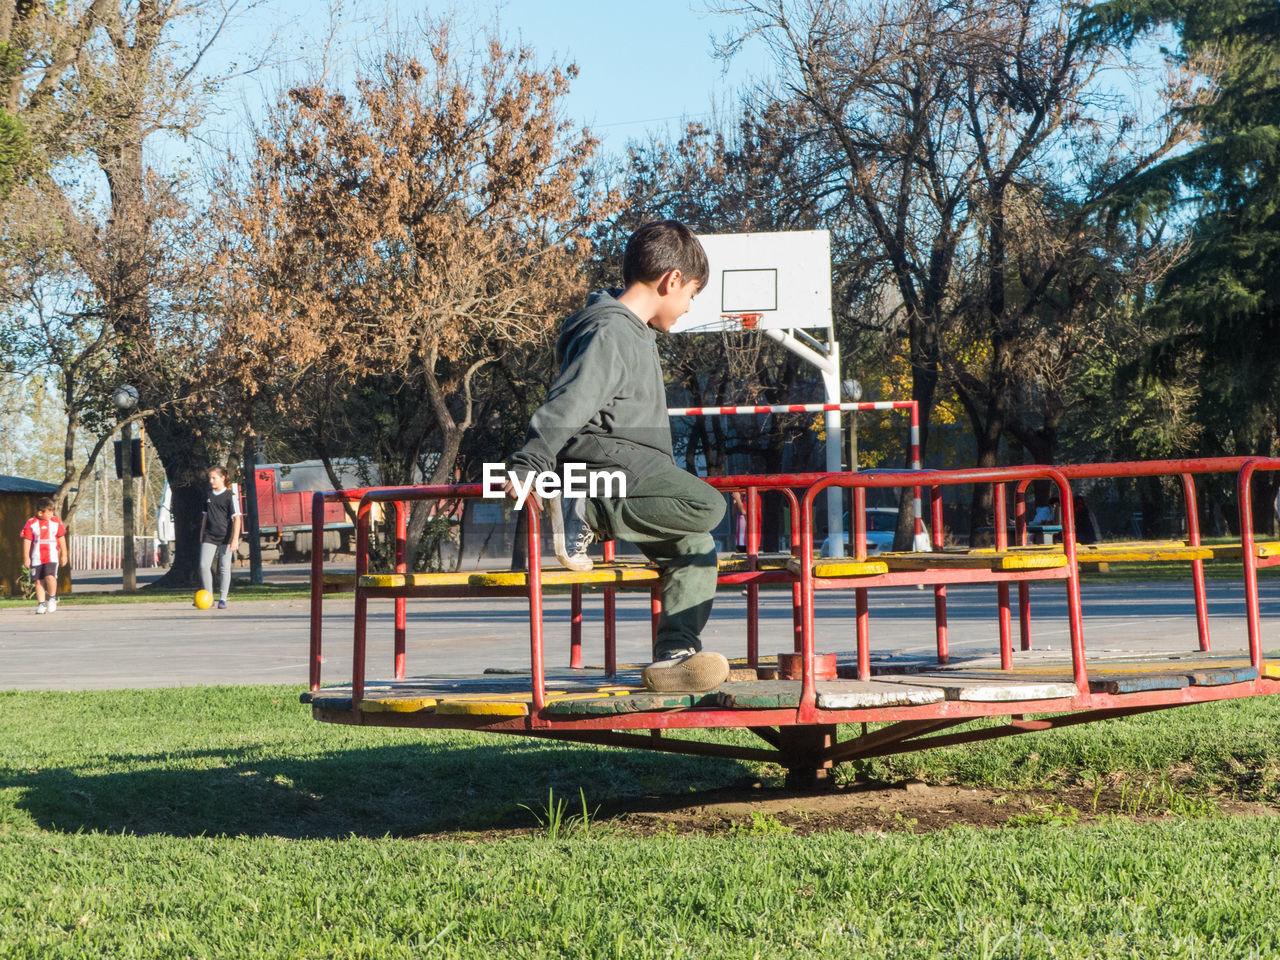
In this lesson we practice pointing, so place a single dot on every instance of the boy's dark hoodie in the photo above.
(608, 406)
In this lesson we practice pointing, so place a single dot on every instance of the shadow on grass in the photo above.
(400, 790)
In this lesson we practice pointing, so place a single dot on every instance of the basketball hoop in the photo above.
(742, 352)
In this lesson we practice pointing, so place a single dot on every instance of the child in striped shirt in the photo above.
(44, 544)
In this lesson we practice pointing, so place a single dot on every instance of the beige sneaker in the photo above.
(570, 533)
(53, 604)
(686, 672)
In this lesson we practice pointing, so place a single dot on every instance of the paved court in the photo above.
(106, 646)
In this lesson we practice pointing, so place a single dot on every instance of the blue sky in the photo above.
(643, 66)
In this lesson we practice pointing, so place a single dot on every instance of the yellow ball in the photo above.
(204, 599)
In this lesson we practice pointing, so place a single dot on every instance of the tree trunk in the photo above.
(923, 348)
(186, 462)
(981, 514)
(421, 511)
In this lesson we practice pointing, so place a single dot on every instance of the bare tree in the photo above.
(956, 126)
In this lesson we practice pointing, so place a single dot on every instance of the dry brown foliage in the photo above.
(417, 229)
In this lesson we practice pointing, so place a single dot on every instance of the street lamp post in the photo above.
(852, 391)
(126, 399)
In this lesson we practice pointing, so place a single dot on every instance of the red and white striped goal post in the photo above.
(921, 541)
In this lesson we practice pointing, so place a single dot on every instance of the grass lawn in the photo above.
(205, 822)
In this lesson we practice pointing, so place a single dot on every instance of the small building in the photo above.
(18, 497)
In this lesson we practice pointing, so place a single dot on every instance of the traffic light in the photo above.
(139, 465)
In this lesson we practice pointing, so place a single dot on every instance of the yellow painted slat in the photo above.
(604, 574)
(390, 580)
(1031, 561)
(1124, 554)
(397, 704)
(1233, 551)
(847, 567)
(1082, 548)
(974, 561)
(1271, 670)
(512, 704)
(483, 708)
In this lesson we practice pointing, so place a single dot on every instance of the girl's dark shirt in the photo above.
(218, 511)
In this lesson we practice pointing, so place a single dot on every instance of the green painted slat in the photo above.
(611, 706)
(1137, 682)
(1219, 676)
(758, 694)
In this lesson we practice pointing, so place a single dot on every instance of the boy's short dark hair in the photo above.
(659, 247)
(219, 469)
(44, 503)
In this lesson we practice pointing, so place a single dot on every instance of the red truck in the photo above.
(284, 507)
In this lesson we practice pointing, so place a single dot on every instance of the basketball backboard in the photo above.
(783, 277)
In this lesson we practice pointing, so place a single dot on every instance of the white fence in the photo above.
(102, 552)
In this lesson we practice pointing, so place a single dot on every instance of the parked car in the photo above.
(882, 523)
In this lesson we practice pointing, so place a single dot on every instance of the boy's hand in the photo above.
(509, 489)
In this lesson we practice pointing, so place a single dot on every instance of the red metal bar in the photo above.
(575, 627)
(610, 619)
(863, 612)
(807, 712)
(534, 554)
(859, 523)
(317, 588)
(1250, 560)
(1197, 566)
(860, 599)
(402, 540)
(362, 606)
(915, 578)
(1000, 510)
(753, 589)
(1075, 618)
(1024, 589)
(808, 708)
(939, 590)
(1185, 469)
(1151, 468)
(782, 484)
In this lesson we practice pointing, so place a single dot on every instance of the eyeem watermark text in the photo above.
(577, 481)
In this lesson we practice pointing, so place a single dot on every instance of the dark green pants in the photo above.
(670, 516)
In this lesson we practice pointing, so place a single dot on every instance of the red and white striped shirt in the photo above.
(44, 535)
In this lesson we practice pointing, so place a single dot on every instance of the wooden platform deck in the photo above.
(580, 694)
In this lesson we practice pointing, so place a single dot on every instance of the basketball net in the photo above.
(742, 353)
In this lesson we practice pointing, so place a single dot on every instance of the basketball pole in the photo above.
(826, 357)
